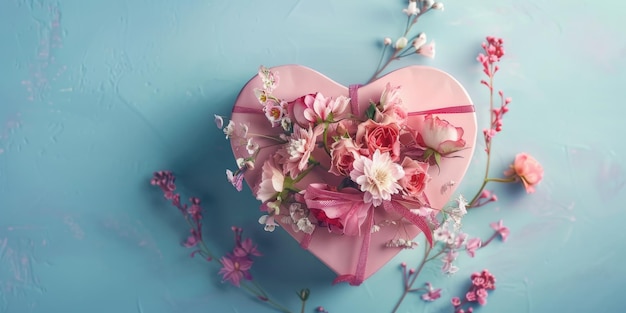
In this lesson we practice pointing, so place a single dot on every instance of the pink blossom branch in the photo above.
(235, 265)
(494, 51)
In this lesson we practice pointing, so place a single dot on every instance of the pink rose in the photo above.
(415, 177)
(382, 137)
(526, 168)
(440, 136)
(343, 153)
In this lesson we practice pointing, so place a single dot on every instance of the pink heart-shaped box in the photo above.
(423, 89)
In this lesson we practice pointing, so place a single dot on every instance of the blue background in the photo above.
(96, 95)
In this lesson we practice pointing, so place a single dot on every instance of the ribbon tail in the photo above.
(414, 219)
(353, 93)
(306, 240)
(359, 274)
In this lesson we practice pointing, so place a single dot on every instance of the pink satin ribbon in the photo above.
(446, 110)
(357, 216)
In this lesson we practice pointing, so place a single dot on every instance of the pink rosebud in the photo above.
(527, 169)
(455, 301)
(427, 50)
(440, 136)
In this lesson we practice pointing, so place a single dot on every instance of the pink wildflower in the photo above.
(431, 294)
(501, 229)
(235, 269)
(472, 245)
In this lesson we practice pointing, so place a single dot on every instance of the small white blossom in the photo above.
(305, 225)
(401, 43)
(419, 41)
(412, 8)
(437, 6)
(229, 129)
(375, 229)
(252, 146)
(219, 121)
(269, 222)
(286, 123)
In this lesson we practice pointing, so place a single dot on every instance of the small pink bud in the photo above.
(494, 198)
(412, 271)
(507, 100)
(403, 264)
(387, 41)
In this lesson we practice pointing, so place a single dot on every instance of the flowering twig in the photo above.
(450, 243)
(236, 264)
(494, 51)
(401, 48)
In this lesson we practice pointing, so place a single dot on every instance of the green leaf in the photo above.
(438, 159)
(304, 294)
(371, 111)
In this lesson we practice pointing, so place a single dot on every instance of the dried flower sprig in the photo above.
(408, 44)
(525, 167)
(235, 265)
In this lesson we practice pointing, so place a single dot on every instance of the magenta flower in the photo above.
(246, 248)
(431, 293)
(235, 269)
(500, 229)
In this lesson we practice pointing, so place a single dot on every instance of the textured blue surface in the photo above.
(96, 95)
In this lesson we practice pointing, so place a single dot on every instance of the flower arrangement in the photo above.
(334, 169)
(322, 165)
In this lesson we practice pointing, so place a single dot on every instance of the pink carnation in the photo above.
(294, 156)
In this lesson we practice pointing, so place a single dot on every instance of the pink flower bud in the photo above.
(387, 41)
(419, 41)
(437, 6)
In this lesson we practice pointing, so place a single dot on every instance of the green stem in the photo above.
(488, 144)
(303, 306)
(325, 138)
(501, 180)
(407, 288)
(259, 293)
(204, 250)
